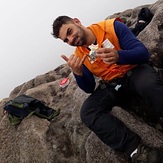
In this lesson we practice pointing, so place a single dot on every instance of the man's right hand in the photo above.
(75, 63)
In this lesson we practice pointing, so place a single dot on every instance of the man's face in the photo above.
(73, 34)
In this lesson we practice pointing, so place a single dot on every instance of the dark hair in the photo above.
(58, 22)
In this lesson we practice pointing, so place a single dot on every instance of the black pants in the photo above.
(95, 111)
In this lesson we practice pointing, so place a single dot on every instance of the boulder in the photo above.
(65, 139)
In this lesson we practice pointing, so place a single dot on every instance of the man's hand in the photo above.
(75, 63)
(108, 55)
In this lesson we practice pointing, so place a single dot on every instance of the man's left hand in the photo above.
(108, 55)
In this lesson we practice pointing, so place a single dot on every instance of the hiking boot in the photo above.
(147, 155)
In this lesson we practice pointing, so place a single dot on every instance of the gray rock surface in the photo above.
(66, 139)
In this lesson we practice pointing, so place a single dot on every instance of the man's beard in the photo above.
(82, 40)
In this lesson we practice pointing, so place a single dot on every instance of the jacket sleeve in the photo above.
(133, 51)
(87, 81)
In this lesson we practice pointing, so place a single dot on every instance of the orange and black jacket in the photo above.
(131, 53)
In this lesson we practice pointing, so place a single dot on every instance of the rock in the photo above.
(66, 139)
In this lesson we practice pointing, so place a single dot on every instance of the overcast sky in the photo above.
(27, 46)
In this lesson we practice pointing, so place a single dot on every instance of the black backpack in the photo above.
(23, 106)
(144, 18)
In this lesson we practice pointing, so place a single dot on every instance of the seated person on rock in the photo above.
(111, 52)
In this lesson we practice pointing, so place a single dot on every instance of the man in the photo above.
(110, 51)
